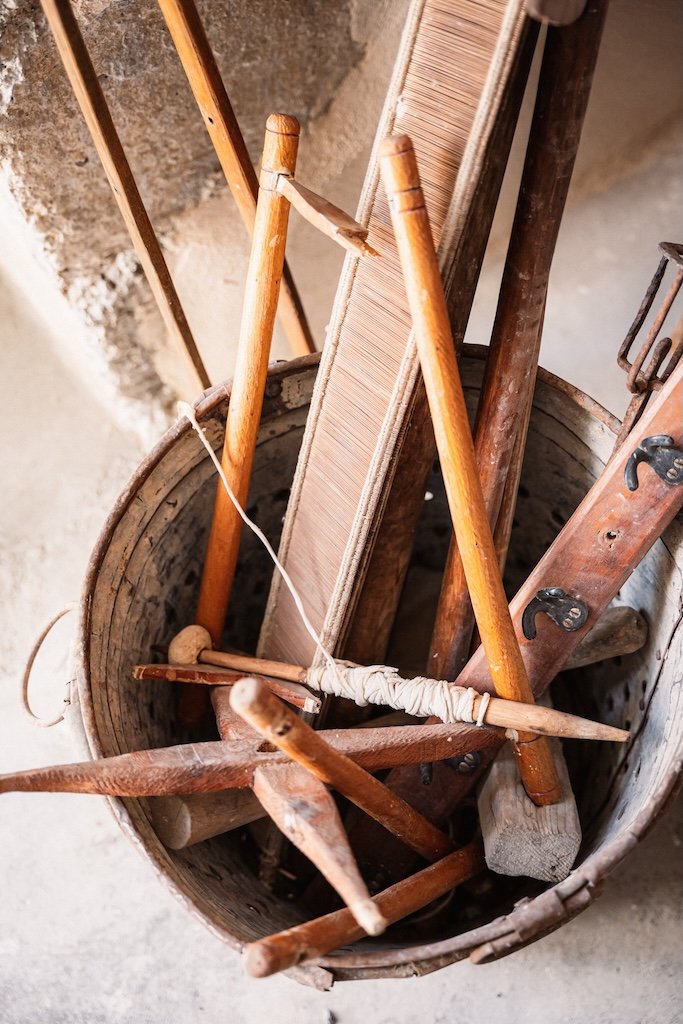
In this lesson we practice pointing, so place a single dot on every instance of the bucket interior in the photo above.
(142, 588)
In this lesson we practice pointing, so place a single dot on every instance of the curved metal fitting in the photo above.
(566, 611)
(660, 453)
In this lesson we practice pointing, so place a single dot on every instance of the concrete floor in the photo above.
(87, 934)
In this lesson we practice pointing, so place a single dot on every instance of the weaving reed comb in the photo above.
(448, 88)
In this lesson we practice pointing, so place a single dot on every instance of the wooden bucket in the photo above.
(141, 588)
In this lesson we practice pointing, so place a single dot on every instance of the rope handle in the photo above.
(44, 723)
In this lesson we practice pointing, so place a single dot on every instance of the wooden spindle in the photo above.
(88, 92)
(456, 452)
(279, 724)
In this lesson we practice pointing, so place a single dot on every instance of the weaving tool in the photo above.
(449, 84)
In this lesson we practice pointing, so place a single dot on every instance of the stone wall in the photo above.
(327, 63)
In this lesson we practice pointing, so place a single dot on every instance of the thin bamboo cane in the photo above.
(456, 452)
(189, 38)
(91, 100)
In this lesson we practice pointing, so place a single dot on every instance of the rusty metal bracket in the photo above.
(566, 611)
(660, 453)
(643, 379)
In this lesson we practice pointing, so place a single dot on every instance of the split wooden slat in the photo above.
(305, 812)
(88, 92)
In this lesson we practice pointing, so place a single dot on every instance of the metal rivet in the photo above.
(575, 613)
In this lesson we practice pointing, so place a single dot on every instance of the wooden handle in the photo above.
(189, 38)
(278, 724)
(456, 452)
(320, 936)
(88, 92)
(246, 399)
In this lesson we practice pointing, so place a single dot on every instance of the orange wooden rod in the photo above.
(189, 38)
(456, 452)
(246, 400)
(90, 97)
(315, 938)
(281, 726)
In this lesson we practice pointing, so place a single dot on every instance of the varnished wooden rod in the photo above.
(88, 92)
(190, 647)
(246, 398)
(456, 452)
(189, 38)
(280, 725)
(507, 390)
(322, 935)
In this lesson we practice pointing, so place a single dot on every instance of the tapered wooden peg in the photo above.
(305, 812)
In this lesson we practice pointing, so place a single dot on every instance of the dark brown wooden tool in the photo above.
(320, 936)
(454, 443)
(88, 92)
(214, 766)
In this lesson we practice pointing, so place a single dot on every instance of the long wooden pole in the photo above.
(189, 38)
(90, 98)
(244, 412)
(454, 443)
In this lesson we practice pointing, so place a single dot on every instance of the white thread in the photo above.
(421, 697)
(185, 409)
(483, 708)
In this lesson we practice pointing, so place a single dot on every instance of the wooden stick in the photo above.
(507, 391)
(214, 766)
(191, 645)
(88, 92)
(209, 675)
(278, 724)
(182, 821)
(454, 443)
(189, 38)
(316, 938)
(327, 217)
(246, 398)
(305, 812)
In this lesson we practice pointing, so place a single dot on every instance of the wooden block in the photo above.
(182, 821)
(521, 838)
